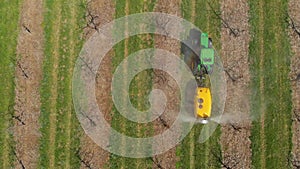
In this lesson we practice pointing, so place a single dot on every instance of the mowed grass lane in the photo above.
(140, 86)
(59, 126)
(9, 14)
(207, 22)
(201, 156)
(116, 161)
(185, 150)
(271, 99)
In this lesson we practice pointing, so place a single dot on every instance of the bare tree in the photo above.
(296, 78)
(292, 160)
(90, 17)
(88, 66)
(85, 162)
(227, 162)
(233, 31)
(231, 73)
(91, 20)
(18, 118)
(161, 24)
(296, 115)
(236, 127)
(294, 26)
(22, 69)
(18, 159)
(233, 77)
(92, 122)
(157, 162)
(26, 28)
(163, 121)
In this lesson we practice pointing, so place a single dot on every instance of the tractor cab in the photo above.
(207, 53)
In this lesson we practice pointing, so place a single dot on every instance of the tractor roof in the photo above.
(204, 40)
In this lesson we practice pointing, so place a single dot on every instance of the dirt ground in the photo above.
(294, 12)
(234, 53)
(167, 84)
(28, 78)
(91, 154)
(235, 138)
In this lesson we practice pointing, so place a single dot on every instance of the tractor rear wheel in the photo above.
(188, 55)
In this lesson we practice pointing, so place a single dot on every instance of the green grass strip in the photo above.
(256, 100)
(139, 88)
(8, 41)
(69, 45)
(207, 22)
(119, 53)
(203, 158)
(183, 150)
(50, 20)
(186, 9)
(272, 149)
(67, 142)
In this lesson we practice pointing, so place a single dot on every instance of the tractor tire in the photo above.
(188, 59)
(195, 37)
(188, 55)
(210, 43)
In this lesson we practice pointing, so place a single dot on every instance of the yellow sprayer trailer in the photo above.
(202, 104)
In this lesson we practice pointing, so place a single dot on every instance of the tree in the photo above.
(22, 69)
(293, 25)
(86, 162)
(227, 162)
(296, 115)
(294, 161)
(91, 18)
(233, 31)
(18, 159)
(157, 162)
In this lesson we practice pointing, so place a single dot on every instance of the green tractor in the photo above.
(207, 53)
(199, 56)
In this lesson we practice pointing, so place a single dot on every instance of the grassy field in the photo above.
(9, 30)
(139, 87)
(212, 26)
(270, 60)
(194, 154)
(59, 127)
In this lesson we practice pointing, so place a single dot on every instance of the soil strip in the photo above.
(236, 145)
(168, 85)
(28, 79)
(294, 12)
(91, 154)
